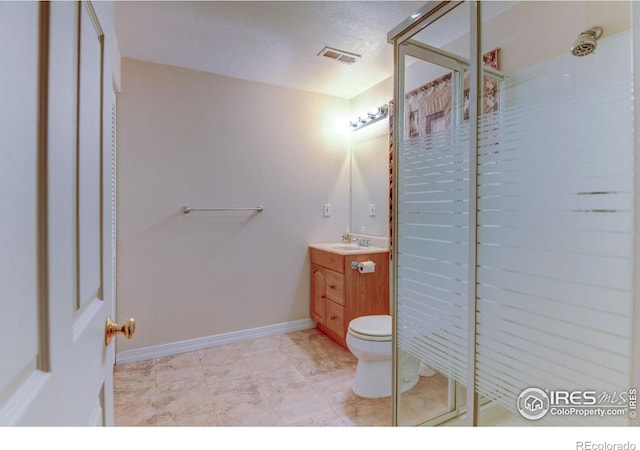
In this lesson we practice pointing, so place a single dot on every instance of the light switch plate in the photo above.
(327, 210)
(372, 210)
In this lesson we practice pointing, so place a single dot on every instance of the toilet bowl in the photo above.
(369, 340)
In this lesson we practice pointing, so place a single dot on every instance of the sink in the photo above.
(348, 247)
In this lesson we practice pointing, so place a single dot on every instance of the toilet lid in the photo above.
(371, 328)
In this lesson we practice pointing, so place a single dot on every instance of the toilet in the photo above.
(369, 340)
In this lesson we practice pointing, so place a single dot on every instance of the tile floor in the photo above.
(301, 378)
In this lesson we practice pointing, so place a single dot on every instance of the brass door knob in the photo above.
(111, 329)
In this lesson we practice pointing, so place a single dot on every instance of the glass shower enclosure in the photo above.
(515, 213)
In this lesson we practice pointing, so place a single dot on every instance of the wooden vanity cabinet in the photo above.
(339, 293)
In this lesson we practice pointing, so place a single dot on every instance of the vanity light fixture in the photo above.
(370, 117)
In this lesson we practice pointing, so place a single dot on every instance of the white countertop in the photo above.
(347, 249)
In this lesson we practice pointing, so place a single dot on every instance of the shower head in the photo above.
(586, 42)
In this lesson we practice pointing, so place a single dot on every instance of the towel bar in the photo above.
(187, 209)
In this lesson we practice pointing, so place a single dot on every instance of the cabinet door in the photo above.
(318, 294)
(335, 286)
(335, 320)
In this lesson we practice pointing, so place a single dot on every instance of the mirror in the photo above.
(370, 166)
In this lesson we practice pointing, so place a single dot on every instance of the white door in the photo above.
(55, 213)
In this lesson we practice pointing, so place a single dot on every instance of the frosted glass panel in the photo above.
(555, 230)
(433, 250)
(433, 228)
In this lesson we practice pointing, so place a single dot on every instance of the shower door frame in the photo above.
(404, 46)
(457, 66)
(400, 37)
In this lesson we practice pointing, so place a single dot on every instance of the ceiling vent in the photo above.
(339, 55)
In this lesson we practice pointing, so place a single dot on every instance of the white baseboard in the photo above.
(174, 348)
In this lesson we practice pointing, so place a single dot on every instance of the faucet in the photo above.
(362, 242)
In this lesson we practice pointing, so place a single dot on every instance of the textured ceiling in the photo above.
(274, 42)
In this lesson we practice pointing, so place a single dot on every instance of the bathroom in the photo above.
(189, 138)
(242, 144)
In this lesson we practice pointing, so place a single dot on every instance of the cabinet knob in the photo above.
(332, 317)
(322, 296)
(332, 286)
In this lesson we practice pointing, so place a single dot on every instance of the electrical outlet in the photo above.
(372, 210)
(327, 210)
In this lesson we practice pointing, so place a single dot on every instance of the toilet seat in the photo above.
(371, 328)
(369, 338)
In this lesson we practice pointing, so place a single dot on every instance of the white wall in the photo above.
(191, 138)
